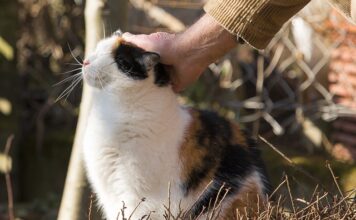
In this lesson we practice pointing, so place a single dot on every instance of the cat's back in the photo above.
(220, 159)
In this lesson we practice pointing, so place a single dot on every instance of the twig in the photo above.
(344, 198)
(217, 203)
(133, 211)
(334, 178)
(278, 205)
(199, 197)
(10, 196)
(90, 206)
(313, 203)
(9, 144)
(290, 195)
(169, 201)
(291, 162)
(277, 188)
(159, 15)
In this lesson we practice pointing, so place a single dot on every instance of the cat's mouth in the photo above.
(96, 81)
(94, 77)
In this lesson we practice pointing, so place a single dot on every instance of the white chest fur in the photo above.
(131, 150)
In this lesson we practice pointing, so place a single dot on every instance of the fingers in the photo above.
(174, 78)
(143, 41)
(176, 88)
(176, 85)
(182, 73)
(157, 42)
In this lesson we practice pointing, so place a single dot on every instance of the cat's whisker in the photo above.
(73, 64)
(99, 78)
(68, 79)
(103, 71)
(110, 64)
(70, 71)
(65, 92)
(69, 89)
(73, 87)
(102, 87)
(97, 73)
(71, 52)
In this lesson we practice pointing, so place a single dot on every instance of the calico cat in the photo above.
(141, 143)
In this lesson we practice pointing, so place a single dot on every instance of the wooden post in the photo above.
(98, 15)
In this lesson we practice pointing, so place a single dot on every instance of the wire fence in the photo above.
(297, 80)
(323, 103)
(286, 58)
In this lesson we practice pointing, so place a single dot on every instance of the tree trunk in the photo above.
(99, 14)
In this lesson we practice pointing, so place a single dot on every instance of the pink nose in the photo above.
(86, 63)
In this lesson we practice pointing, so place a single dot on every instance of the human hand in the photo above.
(183, 69)
(189, 53)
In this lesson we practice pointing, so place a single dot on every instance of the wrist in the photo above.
(188, 55)
(203, 43)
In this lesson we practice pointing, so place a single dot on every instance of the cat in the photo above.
(141, 143)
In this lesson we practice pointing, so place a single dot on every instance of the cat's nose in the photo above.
(86, 63)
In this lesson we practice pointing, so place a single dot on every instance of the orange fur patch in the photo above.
(116, 45)
(119, 41)
(249, 197)
(191, 154)
(238, 137)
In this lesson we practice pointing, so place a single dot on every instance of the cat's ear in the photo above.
(150, 59)
(118, 33)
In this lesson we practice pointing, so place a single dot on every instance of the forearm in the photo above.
(187, 54)
(205, 41)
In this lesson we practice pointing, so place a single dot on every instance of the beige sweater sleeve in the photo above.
(347, 7)
(257, 21)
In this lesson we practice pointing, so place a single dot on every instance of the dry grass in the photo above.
(321, 205)
(282, 204)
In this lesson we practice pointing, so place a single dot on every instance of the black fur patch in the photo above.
(233, 162)
(161, 76)
(130, 60)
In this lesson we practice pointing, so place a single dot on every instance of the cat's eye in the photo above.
(125, 65)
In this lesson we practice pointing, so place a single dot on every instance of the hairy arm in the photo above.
(187, 54)
(213, 35)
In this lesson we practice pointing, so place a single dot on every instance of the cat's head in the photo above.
(116, 64)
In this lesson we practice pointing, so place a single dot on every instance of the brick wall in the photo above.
(342, 79)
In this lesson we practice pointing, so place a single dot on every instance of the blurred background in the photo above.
(299, 93)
